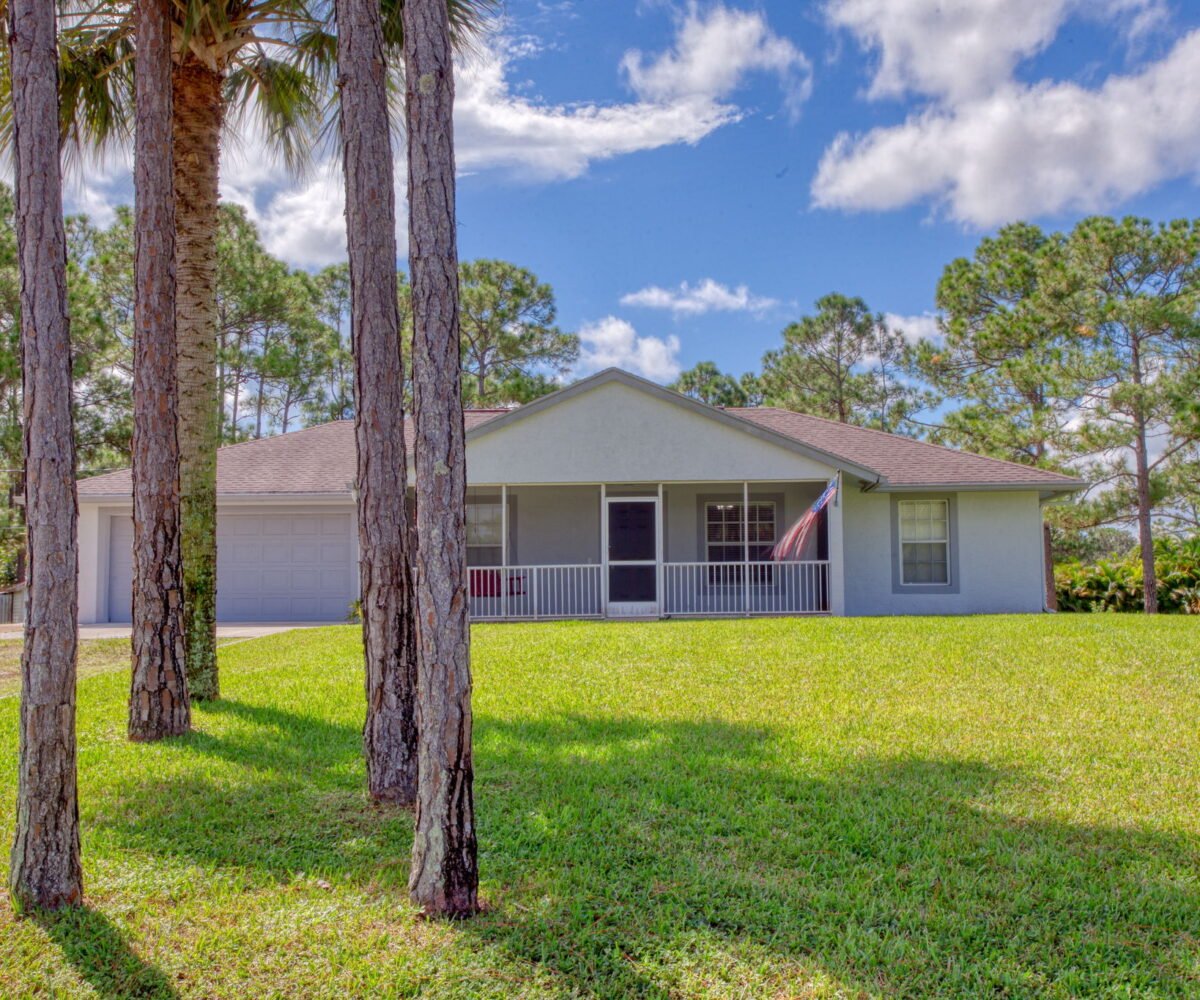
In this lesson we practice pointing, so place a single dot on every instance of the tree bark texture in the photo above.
(1145, 522)
(385, 578)
(45, 867)
(198, 118)
(444, 877)
(1048, 566)
(158, 697)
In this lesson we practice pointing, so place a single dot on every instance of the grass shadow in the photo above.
(638, 858)
(658, 856)
(98, 951)
(296, 800)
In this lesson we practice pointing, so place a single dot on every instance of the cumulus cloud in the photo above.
(615, 343)
(923, 326)
(1028, 150)
(960, 49)
(681, 96)
(713, 51)
(696, 300)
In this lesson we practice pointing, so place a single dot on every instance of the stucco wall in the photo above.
(616, 434)
(554, 526)
(999, 557)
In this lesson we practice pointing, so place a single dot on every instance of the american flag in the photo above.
(791, 545)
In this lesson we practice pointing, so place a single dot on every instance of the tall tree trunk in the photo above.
(258, 409)
(385, 580)
(198, 118)
(45, 869)
(444, 877)
(1144, 517)
(1048, 567)
(1141, 458)
(158, 695)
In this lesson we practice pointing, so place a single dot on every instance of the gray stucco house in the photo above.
(616, 497)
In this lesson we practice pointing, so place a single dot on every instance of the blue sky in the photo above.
(690, 176)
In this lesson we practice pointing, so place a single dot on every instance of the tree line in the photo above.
(1077, 352)
(171, 78)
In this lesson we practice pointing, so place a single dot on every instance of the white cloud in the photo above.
(1028, 150)
(614, 343)
(923, 326)
(696, 300)
(960, 49)
(713, 51)
(682, 95)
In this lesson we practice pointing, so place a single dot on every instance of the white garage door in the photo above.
(270, 567)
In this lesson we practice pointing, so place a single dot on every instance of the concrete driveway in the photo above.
(247, 630)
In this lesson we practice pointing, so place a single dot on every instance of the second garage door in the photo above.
(270, 567)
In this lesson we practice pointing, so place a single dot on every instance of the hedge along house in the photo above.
(616, 497)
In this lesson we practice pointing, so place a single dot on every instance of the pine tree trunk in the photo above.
(1145, 525)
(444, 877)
(198, 119)
(385, 580)
(45, 868)
(1048, 567)
(158, 696)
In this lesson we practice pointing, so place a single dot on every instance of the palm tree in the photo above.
(389, 626)
(235, 62)
(158, 699)
(444, 877)
(45, 870)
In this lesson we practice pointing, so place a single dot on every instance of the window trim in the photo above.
(708, 546)
(493, 499)
(952, 586)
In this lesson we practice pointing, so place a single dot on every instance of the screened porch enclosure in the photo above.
(643, 550)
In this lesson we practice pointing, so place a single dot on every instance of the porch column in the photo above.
(837, 579)
(504, 577)
(604, 549)
(746, 547)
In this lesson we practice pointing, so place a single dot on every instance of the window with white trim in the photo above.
(924, 542)
(723, 530)
(485, 532)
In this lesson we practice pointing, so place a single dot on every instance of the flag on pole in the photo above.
(791, 545)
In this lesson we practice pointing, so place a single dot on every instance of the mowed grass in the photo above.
(984, 807)
(96, 656)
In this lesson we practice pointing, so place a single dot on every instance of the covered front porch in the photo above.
(612, 550)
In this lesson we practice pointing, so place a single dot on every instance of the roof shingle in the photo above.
(900, 461)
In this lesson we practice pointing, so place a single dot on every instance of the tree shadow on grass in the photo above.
(635, 855)
(637, 858)
(296, 801)
(98, 951)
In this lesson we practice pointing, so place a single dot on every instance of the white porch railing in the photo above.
(694, 588)
(497, 592)
(757, 588)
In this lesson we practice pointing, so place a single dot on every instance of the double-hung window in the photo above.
(485, 527)
(724, 522)
(924, 542)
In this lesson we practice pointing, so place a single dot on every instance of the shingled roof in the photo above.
(319, 461)
(902, 462)
(313, 462)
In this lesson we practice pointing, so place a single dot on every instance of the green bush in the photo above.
(1116, 584)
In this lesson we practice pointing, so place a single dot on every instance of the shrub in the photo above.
(1116, 584)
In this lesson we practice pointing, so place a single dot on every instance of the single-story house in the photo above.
(616, 497)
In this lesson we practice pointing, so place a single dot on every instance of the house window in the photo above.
(485, 532)
(924, 542)
(723, 523)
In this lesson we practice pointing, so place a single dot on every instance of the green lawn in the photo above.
(988, 807)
